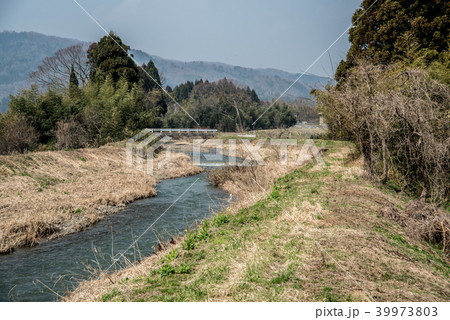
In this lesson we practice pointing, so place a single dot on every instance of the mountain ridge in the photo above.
(269, 83)
(22, 52)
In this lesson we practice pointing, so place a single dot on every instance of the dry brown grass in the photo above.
(250, 183)
(279, 257)
(424, 221)
(50, 194)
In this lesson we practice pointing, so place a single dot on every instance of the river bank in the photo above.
(314, 233)
(45, 195)
(48, 271)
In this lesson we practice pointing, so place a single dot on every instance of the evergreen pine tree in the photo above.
(73, 82)
(396, 30)
(150, 77)
(110, 57)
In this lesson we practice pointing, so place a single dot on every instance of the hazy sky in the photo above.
(283, 34)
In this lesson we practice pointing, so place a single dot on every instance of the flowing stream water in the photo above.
(31, 274)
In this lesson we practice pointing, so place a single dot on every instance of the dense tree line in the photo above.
(224, 106)
(392, 96)
(113, 102)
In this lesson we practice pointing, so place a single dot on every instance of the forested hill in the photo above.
(268, 83)
(22, 52)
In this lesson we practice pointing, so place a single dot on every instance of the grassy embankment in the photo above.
(268, 246)
(50, 194)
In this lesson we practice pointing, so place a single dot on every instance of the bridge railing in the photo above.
(180, 130)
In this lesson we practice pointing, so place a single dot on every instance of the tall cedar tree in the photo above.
(110, 57)
(393, 29)
(73, 82)
(152, 82)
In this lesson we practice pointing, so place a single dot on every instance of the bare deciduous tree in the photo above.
(55, 71)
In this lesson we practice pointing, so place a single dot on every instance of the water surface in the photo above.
(60, 263)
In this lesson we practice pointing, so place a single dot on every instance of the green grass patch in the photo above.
(220, 219)
(172, 255)
(284, 276)
(111, 295)
(328, 295)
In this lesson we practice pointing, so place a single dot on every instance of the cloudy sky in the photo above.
(282, 34)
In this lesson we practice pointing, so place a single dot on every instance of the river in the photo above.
(32, 274)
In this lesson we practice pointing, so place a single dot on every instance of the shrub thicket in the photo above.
(400, 120)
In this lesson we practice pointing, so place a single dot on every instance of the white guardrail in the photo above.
(159, 130)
